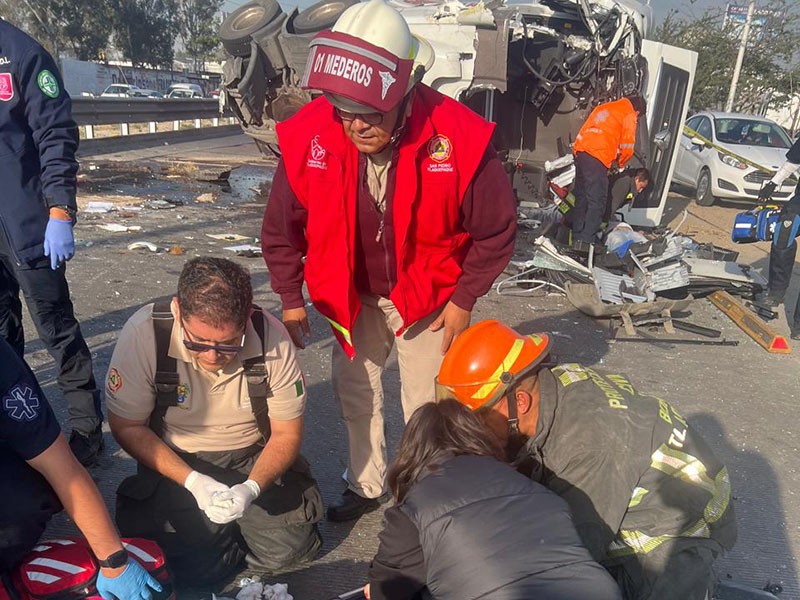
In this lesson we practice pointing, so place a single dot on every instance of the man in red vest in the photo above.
(604, 144)
(405, 216)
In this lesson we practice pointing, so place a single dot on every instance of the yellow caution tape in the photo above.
(693, 134)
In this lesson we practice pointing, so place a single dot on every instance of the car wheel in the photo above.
(236, 30)
(702, 195)
(321, 16)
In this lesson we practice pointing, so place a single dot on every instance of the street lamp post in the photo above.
(740, 58)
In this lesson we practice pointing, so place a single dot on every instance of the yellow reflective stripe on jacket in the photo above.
(636, 542)
(345, 333)
(717, 506)
(487, 388)
(569, 373)
(683, 466)
(636, 498)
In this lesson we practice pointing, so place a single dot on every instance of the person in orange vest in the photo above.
(397, 200)
(605, 143)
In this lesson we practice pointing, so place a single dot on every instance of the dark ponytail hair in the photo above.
(437, 429)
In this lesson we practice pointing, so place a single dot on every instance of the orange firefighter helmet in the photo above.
(487, 359)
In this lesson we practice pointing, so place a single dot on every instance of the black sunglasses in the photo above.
(193, 346)
(373, 118)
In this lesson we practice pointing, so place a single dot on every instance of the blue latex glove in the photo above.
(133, 583)
(59, 243)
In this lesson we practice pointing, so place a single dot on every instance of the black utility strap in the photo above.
(255, 370)
(166, 379)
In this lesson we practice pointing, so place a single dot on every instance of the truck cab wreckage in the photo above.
(536, 68)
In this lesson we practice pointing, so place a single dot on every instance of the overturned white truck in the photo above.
(534, 67)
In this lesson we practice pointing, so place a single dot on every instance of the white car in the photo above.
(184, 93)
(712, 148)
(122, 90)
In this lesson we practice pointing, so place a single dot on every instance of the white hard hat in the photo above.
(368, 51)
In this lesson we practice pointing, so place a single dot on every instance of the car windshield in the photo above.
(750, 132)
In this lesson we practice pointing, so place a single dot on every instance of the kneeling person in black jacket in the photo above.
(467, 526)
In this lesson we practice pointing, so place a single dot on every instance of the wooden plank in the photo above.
(750, 323)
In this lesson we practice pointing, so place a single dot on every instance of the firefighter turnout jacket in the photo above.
(635, 475)
(38, 140)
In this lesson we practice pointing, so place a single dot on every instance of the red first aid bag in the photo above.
(66, 569)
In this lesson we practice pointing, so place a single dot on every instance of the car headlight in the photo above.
(731, 161)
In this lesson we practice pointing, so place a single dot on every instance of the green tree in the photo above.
(145, 30)
(198, 23)
(770, 55)
(82, 26)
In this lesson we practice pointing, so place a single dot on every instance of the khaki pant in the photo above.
(357, 384)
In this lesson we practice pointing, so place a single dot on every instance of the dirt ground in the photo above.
(741, 398)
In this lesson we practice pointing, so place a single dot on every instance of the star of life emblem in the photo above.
(21, 403)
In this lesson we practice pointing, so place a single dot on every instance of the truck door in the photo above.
(669, 88)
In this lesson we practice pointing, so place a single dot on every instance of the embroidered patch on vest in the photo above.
(47, 83)
(6, 87)
(440, 150)
(316, 156)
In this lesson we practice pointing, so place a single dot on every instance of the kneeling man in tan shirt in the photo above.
(205, 393)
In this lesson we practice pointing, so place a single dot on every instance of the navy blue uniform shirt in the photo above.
(38, 140)
(28, 426)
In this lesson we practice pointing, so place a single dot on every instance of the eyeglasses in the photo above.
(200, 347)
(374, 118)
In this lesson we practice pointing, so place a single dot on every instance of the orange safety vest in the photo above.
(609, 133)
(437, 158)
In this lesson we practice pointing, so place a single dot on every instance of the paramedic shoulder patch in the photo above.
(21, 403)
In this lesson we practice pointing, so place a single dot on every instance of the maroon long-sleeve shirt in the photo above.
(488, 214)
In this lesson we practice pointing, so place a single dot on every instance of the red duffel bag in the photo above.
(66, 569)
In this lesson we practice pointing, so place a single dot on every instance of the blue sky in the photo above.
(684, 7)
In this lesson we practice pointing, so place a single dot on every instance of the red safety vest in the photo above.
(438, 155)
(609, 133)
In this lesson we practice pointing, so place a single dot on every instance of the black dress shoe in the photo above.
(352, 506)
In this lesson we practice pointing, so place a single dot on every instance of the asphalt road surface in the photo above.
(741, 398)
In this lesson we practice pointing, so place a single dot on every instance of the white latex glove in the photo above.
(204, 488)
(229, 506)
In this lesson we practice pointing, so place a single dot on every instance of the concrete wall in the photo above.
(81, 76)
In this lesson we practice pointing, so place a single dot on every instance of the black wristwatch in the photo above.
(115, 561)
(71, 212)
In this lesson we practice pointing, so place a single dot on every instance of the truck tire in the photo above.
(321, 16)
(702, 195)
(236, 30)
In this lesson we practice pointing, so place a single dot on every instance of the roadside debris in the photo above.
(229, 237)
(750, 323)
(208, 197)
(247, 250)
(146, 245)
(98, 207)
(155, 204)
(176, 250)
(117, 228)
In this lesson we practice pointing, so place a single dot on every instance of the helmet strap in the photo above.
(400, 128)
(511, 394)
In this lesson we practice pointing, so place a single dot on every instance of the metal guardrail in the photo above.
(89, 112)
